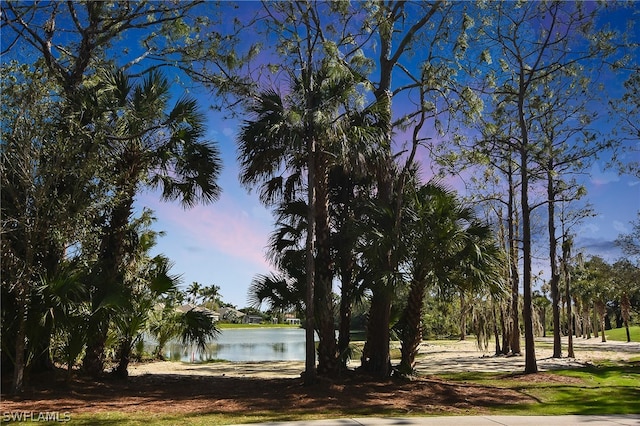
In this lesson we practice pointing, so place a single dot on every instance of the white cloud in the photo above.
(620, 227)
(598, 177)
(228, 131)
(589, 228)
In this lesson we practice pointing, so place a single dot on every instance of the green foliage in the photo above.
(197, 327)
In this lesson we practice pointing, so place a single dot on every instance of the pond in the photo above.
(246, 344)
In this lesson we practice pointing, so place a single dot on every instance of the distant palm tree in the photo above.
(210, 294)
(194, 291)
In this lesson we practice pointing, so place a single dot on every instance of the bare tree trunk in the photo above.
(463, 317)
(310, 372)
(125, 357)
(555, 274)
(376, 358)
(21, 339)
(566, 254)
(496, 332)
(527, 311)
(327, 348)
(411, 334)
(513, 262)
(601, 310)
(625, 307)
(506, 332)
(346, 300)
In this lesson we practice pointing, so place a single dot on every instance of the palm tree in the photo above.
(146, 145)
(448, 248)
(309, 129)
(626, 280)
(194, 291)
(284, 289)
(210, 294)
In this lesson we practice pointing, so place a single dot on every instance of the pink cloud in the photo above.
(222, 226)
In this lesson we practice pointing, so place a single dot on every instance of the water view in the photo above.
(246, 344)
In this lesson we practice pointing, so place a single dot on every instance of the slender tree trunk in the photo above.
(346, 301)
(587, 320)
(411, 334)
(501, 305)
(513, 264)
(555, 274)
(327, 349)
(566, 254)
(527, 311)
(625, 307)
(506, 338)
(601, 310)
(496, 332)
(310, 372)
(22, 302)
(463, 317)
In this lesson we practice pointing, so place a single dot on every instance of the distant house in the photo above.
(291, 319)
(188, 307)
(231, 315)
(252, 319)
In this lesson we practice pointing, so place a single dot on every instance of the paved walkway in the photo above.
(473, 421)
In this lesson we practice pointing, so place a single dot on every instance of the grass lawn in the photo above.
(620, 334)
(606, 388)
(616, 334)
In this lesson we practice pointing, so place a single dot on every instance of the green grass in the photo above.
(620, 334)
(606, 388)
(617, 334)
(150, 419)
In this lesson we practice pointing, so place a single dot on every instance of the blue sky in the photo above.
(224, 243)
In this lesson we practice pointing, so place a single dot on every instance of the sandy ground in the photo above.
(433, 358)
(239, 389)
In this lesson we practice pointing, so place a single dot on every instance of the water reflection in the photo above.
(246, 344)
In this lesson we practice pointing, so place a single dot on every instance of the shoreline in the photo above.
(434, 357)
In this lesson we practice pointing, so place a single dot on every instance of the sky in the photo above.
(224, 243)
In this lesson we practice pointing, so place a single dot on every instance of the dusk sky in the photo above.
(224, 243)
